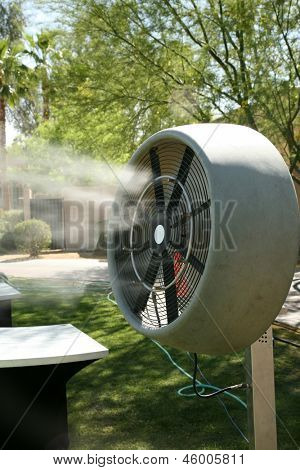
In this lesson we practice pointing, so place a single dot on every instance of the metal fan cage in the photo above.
(157, 280)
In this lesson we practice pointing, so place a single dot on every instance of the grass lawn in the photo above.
(129, 399)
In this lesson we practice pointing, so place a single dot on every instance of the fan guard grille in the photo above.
(158, 280)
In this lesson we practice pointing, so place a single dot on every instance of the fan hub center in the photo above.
(159, 234)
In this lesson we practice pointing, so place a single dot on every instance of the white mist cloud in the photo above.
(55, 171)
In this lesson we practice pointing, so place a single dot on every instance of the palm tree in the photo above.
(42, 51)
(13, 86)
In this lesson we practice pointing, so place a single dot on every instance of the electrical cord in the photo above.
(217, 392)
(182, 391)
(221, 402)
(200, 384)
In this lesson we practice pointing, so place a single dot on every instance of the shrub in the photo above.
(8, 221)
(7, 242)
(32, 236)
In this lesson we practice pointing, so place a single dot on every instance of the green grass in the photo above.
(129, 399)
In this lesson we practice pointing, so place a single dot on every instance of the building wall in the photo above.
(84, 225)
(84, 216)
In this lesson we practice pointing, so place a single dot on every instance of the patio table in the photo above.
(35, 365)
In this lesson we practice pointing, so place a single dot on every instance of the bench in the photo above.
(35, 365)
(7, 294)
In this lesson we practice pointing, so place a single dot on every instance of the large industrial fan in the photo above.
(204, 237)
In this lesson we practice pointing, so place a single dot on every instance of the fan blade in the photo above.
(155, 307)
(170, 293)
(143, 248)
(202, 207)
(195, 211)
(181, 177)
(177, 246)
(156, 172)
(196, 263)
(149, 278)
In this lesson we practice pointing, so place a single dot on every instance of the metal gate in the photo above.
(51, 212)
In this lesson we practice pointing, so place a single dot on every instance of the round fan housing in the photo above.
(203, 239)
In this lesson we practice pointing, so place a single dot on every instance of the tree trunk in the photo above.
(295, 161)
(3, 157)
(250, 118)
(46, 101)
(293, 145)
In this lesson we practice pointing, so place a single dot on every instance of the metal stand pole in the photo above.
(259, 364)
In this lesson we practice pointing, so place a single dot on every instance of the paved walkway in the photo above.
(81, 269)
(290, 314)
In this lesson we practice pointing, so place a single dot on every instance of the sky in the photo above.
(37, 18)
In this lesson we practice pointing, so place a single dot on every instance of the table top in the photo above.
(7, 292)
(42, 345)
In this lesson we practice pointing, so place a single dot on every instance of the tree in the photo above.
(97, 113)
(42, 50)
(13, 77)
(35, 108)
(12, 20)
(280, 97)
(11, 70)
(157, 63)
